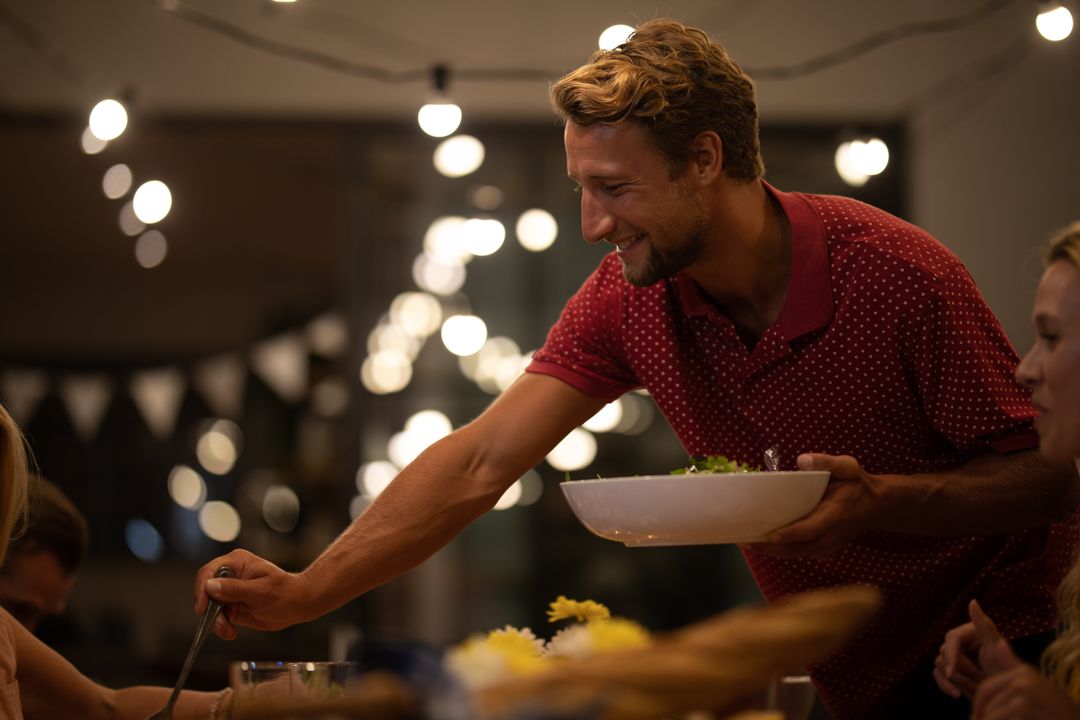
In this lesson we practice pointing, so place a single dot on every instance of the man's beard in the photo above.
(661, 263)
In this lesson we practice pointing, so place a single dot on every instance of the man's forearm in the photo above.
(430, 502)
(988, 495)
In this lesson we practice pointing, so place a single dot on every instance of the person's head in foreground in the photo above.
(1051, 369)
(643, 124)
(13, 481)
(39, 572)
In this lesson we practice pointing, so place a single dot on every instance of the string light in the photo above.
(439, 116)
(108, 119)
(614, 36)
(1054, 21)
(858, 160)
(152, 201)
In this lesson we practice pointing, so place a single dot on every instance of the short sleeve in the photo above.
(584, 348)
(963, 367)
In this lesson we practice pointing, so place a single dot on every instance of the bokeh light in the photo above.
(218, 447)
(387, 371)
(374, 477)
(509, 498)
(438, 276)
(445, 241)
(574, 452)
(463, 334)
(129, 222)
(117, 181)
(483, 236)
(150, 249)
(187, 487)
(143, 540)
(91, 144)
(459, 156)
(606, 419)
(536, 229)
(108, 120)
(417, 313)
(281, 508)
(220, 521)
(152, 201)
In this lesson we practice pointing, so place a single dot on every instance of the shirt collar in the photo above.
(809, 302)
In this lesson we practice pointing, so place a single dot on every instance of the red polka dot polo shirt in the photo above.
(884, 350)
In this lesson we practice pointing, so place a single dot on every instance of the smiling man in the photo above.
(850, 339)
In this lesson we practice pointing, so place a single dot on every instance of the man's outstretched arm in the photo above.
(448, 486)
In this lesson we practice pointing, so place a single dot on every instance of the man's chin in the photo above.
(638, 278)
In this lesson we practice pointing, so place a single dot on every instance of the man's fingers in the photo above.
(821, 461)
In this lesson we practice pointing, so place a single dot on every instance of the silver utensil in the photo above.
(207, 621)
(772, 458)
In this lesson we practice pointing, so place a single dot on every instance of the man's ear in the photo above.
(706, 157)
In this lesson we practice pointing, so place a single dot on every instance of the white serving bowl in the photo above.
(696, 508)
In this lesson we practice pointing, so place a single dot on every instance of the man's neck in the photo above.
(746, 269)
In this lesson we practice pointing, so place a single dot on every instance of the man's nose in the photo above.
(596, 222)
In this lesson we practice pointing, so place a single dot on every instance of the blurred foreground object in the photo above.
(377, 696)
(714, 665)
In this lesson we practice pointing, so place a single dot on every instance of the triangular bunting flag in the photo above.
(157, 394)
(282, 363)
(328, 335)
(86, 398)
(220, 380)
(21, 390)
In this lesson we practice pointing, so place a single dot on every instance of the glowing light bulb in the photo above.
(614, 36)
(439, 119)
(1054, 22)
(108, 120)
(458, 156)
(152, 201)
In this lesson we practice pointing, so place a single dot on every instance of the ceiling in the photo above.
(260, 58)
(245, 106)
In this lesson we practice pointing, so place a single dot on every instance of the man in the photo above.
(39, 572)
(754, 318)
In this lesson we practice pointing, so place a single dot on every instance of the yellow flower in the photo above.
(617, 633)
(522, 650)
(581, 610)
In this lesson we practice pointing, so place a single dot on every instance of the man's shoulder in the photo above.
(855, 229)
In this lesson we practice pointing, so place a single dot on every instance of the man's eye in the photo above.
(1048, 338)
(614, 188)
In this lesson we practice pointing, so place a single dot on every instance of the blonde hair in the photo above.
(14, 478)
(1061, 659)
(1065, 245)
(678, 83)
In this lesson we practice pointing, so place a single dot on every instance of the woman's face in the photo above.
(1051, 369)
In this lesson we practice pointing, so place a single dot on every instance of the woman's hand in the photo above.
(1021, 693)
(956, 668)
(976, 661)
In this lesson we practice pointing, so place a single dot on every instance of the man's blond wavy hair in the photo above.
(1061, 660)
(676, 82)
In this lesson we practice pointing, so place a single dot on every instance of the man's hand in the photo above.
(853, 504)
(261, 596)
